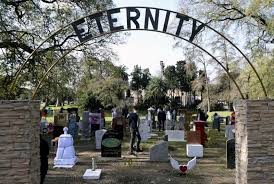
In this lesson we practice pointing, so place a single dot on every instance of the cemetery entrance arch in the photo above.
(254, 153)
(135, 18)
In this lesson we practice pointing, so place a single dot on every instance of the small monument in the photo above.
(159, 152)
(144, 130)
(85, 126)
(175, 135)
(98, 138)
(72, 126)
(65, 155)
(92, 174)
(111, 144)
(193, 146)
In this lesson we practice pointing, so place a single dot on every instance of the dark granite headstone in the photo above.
(111, 144)
(165, 138)
(230, 154)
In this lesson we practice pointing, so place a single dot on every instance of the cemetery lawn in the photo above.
(130, 169)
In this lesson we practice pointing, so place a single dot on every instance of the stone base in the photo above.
(92, 175)
(194, 150)
(63, 166)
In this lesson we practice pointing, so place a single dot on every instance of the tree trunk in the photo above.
(207, 88)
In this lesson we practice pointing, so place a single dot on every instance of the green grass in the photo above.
(221, 113)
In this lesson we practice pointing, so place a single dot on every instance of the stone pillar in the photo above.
(19, 142)
(254, 141)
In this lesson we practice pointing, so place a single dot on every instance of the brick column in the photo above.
(19, 142)
(254, 141)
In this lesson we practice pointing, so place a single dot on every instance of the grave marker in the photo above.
(144, 130)
(159, 152)
(175, 135)
(111, 144)
(98, 137)
(85, 126)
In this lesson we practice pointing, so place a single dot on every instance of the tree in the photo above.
(140, 79)
(104, 81)
(265, 67)
(254, 17)
(183, 78)
(171, 78)
(156, 92)
(25, 24)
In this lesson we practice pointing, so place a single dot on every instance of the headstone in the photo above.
(85, 126)
(181, 123)
(165, 138)
(65, 155)
(95, 121)
(230, 154)
(175, 135)
(98, 137)
(111, 144)
(193, 137)
(159, 152)
(72, 126)
(169, 125)
(144, 130)
(194, 150)
(229, 132)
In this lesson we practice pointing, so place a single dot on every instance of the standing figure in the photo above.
(119, 124)
(233, 118)
(125, 111)
(216, 122)
(134, 122)
(113, 112)
(181, 121)
(44, 152)
(161, 119)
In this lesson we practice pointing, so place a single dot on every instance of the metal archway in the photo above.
(86, 35)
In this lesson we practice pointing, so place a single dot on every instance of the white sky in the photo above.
(145, 48)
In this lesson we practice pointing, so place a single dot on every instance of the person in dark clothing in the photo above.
(125, 111)
(201, 115)
(161, 119)
(134, 121)
(44, 152)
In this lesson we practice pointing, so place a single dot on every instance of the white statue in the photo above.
(65, 155)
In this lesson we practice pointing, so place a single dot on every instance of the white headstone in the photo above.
(175, 135)
(194, 150)
(98, 137)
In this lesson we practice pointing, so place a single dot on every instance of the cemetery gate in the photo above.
(254, 142)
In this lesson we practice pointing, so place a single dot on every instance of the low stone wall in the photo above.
(19, 142)
(255, 141)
